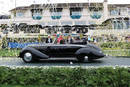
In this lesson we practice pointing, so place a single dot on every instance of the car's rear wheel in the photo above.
(83, 58)
(28, 57)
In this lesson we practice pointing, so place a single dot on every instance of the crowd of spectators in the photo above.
(70, 39)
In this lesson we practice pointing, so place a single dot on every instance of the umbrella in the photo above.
(80, 28)
(22, 25)
(67, 28)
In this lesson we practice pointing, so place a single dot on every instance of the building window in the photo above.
(95, 10)
(118, 24)
(75, 13)
(95, 15)
(118, 11)
(114, 12)
(127, 24)
(36, 14)
(95, 7)
(123, 10)
(56, 13)
(122, 23)
(19, 14)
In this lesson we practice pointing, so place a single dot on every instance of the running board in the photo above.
(63, 58)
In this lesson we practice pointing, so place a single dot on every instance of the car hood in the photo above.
(93, 46)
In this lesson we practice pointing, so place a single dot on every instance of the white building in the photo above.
(61, 14)
(108, 16)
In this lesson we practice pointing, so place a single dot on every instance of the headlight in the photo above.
(100, 51)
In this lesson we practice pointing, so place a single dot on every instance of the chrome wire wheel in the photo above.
(27, 57)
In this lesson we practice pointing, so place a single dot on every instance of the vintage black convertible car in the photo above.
(78, 50)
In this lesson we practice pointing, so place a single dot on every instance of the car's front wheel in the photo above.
(83, 58)
(27, 57)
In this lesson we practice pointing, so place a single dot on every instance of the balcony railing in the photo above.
(76, 15)
(56, 15)
(37, 16)
(96, 15)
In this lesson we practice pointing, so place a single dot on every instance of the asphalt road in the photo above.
(106, 61)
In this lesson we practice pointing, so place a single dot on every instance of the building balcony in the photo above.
(75, 16)
(55, 17)
(96, 16)
(37, 17)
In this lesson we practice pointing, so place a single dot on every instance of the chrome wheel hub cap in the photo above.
(86, 58)
(28, 57)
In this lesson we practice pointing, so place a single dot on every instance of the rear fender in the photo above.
(34, 52)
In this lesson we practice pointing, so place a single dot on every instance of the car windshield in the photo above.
(65, 42)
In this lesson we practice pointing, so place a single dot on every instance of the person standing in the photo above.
(85, 40)
(49, 40)
(69, 40)
(60, 40)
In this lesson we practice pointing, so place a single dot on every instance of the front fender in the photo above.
(83, 51)
(90, 52)
(34, 52)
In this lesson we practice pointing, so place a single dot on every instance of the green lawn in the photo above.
(9, 52)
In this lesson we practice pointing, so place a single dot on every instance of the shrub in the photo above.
(119, 45)
(66, 77)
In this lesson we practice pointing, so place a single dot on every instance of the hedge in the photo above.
(24, 86)
(123, 52)
(115, 45)
(66, 77)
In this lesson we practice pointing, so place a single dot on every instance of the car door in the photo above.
(58, 50)
(62, 50)
(54, 51)
(67, 50)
